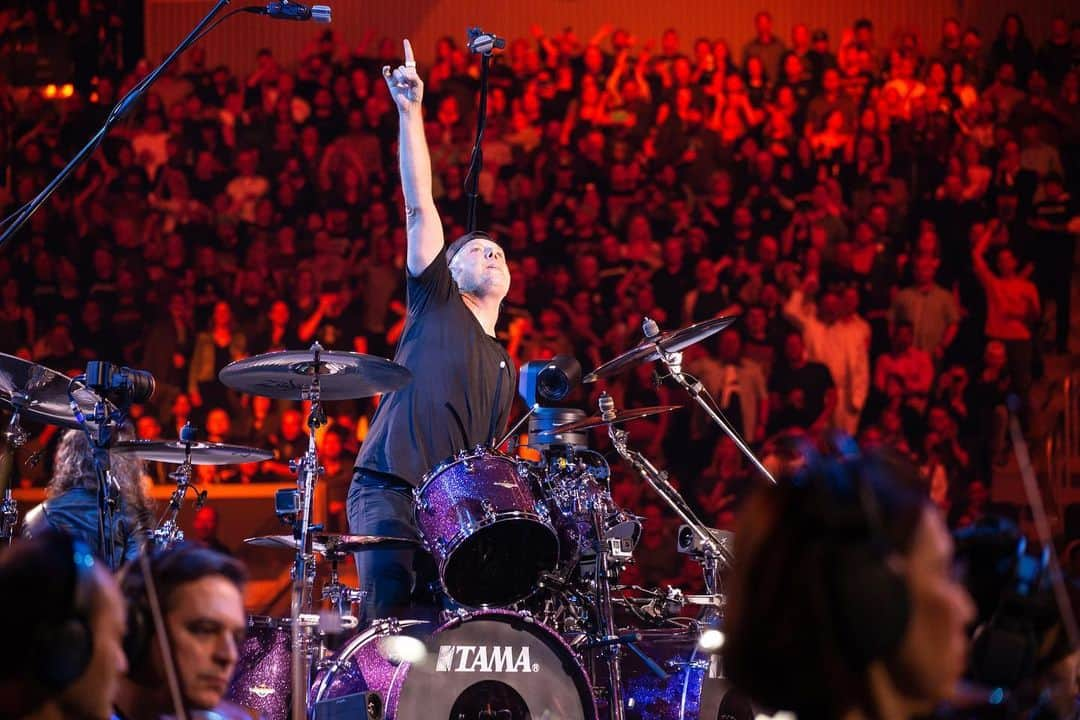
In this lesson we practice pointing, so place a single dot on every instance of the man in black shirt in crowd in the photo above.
(463, 379)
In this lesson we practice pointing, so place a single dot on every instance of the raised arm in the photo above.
(423, 226)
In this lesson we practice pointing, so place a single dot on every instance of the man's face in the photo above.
(479, 268)
(206, 623)
(91, 696)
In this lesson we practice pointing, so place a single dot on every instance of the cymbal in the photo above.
(41, 394)
(202, 453)
(670, 341)
(333, 543)
(621, 417)
(287, 375)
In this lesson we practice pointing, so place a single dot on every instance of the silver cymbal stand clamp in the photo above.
(168, 532)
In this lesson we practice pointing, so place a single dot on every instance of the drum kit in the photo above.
(529, 554)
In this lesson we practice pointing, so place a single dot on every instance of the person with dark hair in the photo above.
(201, 595)
(62, 620)
(1013, 47)
(71, 502)
(843, 602)
(462, 377)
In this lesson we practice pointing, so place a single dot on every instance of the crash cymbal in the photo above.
(41, 394)
(618, 417)
(332, 543)
(671, 341)
(287, 375)
(202, 453)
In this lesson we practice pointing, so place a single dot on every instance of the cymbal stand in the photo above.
(341, 596)
(168, 532)
(304, 568)
(16, 437)
(673, 362)
(715, 554)
(99, 433)
(609, 643)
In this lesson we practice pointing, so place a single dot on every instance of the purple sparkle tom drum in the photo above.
(483, 521)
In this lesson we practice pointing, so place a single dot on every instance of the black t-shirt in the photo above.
(462, 386)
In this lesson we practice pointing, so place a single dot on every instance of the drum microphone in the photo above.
(286, 10)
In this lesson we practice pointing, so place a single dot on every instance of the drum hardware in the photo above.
(15, 437)
(312, 376)
(714, 554)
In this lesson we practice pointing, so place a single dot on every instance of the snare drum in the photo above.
(482, 519)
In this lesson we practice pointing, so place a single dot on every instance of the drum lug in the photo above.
(522, 470)
(541, 510)
(421, 503)
(488, 509)
(441, 546)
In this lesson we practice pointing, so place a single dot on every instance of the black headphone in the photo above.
(61, 651)
(1006, 648)
(868, 598)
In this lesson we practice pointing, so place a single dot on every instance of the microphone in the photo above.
(286, 10)
(483, 43)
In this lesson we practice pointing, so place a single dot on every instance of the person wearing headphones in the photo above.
(843, 602)
(62, 624)
(462, 377)
(200, 593)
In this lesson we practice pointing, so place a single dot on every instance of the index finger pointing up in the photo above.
(410, 60)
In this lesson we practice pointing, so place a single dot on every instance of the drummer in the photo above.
(463, 379)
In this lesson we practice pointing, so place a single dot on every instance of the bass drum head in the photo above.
(497, 663)
(493, 662)
(500, 564)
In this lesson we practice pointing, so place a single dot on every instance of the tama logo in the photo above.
(484, 658)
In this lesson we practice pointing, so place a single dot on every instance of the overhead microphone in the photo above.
(286, 10)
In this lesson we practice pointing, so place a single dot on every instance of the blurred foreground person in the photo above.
(201, 596)
(62, 621)
(843, 603)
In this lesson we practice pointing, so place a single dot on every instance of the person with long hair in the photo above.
(843, 602)
(71, 503)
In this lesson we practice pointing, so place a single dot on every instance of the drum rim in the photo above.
(463, 456)
(382, 627)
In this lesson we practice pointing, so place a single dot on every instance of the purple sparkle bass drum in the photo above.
(490, 663)
(482, 519)
(692, 688)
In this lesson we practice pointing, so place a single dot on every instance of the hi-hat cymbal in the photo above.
(671, 341)
(41, 394)
(202, 453)
(287, 375)
(619, 417)
(333, 543)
